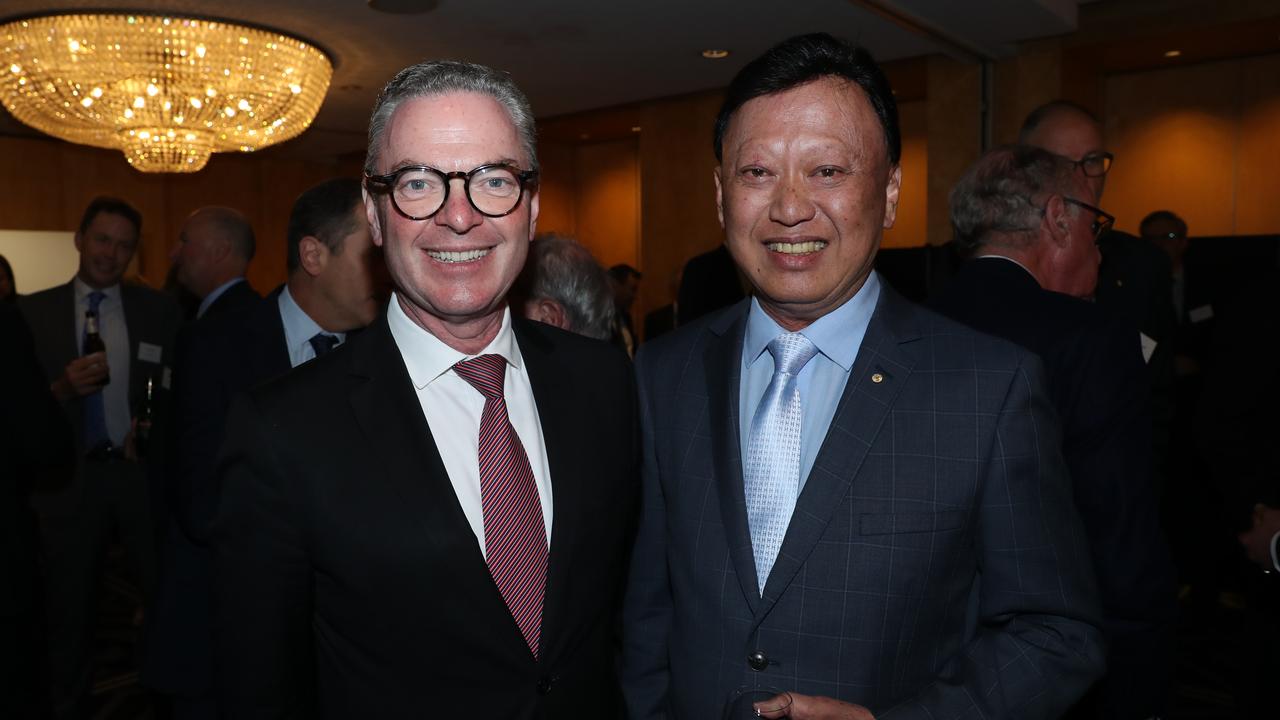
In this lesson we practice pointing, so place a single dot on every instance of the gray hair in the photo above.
(562, 270)
(441, 77)
(1000, 199)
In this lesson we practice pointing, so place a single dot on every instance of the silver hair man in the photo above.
(1000, 200)
(563, 285)
(440, 77)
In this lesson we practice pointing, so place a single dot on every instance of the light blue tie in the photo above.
(93, 406)
(772, 467)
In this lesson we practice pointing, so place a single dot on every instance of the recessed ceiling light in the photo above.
(712, 54)
(1172, 53)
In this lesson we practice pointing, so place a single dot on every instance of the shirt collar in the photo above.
(830, 333)
(82, 291)
(212, 297)
(299, 328)
(427, 357)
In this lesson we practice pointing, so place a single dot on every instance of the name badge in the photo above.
(149, 353)
(1148, 347)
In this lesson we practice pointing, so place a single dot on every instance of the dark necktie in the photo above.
(93, 407)
(323, 343)
(515, 536)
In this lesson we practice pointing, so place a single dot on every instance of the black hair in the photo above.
(803, 59)
(114, 206)
(324, 212)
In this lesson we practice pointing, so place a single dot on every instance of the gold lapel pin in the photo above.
(877, 378)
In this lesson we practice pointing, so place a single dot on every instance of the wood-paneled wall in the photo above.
(1200, 140)
(48, 183)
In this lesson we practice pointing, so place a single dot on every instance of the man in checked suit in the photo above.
(432, 519)
(846, 497)
(109, 493)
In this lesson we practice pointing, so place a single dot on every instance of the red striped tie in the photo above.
(515, 536)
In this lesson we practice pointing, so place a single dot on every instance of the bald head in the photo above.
(215, 246)
(1066, 129)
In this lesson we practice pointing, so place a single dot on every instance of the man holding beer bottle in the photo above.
(100, 343)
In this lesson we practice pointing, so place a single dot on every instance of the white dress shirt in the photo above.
(453, 407)
(115, 335)
(299, 328)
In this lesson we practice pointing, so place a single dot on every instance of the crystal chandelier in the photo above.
(167, 91)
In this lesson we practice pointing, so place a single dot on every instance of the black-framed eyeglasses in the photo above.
(1095, 164)
(418, 191)
(1102, 220)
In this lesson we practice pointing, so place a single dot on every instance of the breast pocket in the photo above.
(917, 522)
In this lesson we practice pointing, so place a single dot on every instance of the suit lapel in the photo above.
(389, 414)
(861, 412)
(551, 393)
(722, 364)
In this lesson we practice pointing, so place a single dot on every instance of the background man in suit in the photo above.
(109, 493)
(1019, 211)
(1134, 277)
(413, 524)
(845, 496)
(563, 285)
(214, 249)
(337, 282)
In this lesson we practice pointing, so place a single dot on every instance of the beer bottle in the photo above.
(92, 340)
(142, 431)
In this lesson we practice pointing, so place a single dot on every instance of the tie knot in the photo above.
(95, 299)
(791, 351)
(485, 373)
(323, 343)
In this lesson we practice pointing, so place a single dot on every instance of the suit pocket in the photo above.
(891, 523)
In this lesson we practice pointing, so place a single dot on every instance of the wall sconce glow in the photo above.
(713, 54)
(152, 77)
(1172, 53)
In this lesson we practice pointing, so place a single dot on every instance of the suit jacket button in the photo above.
(757, 660)
(544, 684)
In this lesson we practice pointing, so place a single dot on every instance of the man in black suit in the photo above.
(336, 285)
(35, 438)
(1134, 277)
(99, 393)
(214, 249)
(708, 282)
(1020, 211)
(432, 520)
(846, 496)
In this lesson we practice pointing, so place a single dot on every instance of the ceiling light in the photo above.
(715, 54)
(1172, 53)
(143, 68)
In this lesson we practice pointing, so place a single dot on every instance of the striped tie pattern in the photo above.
(515, 538)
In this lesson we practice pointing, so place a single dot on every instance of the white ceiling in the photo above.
(573, 55)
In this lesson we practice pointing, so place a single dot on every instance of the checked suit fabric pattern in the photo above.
(514, 531)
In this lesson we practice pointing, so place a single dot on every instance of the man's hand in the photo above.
(82, 376)
(812, 707)
(1257, 540)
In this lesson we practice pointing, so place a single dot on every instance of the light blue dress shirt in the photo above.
(299, 328)
(838, 335)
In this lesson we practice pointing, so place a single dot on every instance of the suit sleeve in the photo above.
(647, 609)
(1036, 645)
(263, 597)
